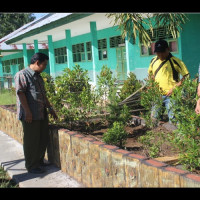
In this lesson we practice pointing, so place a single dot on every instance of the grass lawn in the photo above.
(6, 181)
(7, 97)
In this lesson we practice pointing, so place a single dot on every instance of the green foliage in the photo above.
(130, 86)
(151, 97)
(105, 82)
(12, 21)
(137, 24)
(116, 135)
(74, 91)
(116, 112)
(187, 136)
(7, 96)
(51, 94)
(6, 181)
(152, 142)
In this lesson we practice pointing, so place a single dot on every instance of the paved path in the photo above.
(12, 160)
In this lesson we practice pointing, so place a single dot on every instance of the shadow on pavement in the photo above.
(20, 177)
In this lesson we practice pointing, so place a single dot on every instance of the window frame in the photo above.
(156, 38)
(101, 50)
(60, 55)
(76, 52)
(89, 51)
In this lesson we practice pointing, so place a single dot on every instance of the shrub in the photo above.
(130, 86)
(51, 94)
(105, 83)
(116, 135)
(152, 142)
(116, 112)
(74, 91)
(151, 97)
(187, 136)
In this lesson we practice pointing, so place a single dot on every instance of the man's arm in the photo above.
(177, 85)
(24, 103)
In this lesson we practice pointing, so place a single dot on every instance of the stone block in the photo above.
(95, 170)
(132, 165)
(148, 173)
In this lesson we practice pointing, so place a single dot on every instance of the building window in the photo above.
(116, 41)
(159, 33)
(60, 55)
(6, 66)
(78, 52)
(20, 62)
(102, 47)
(8, 63)
(89, 51)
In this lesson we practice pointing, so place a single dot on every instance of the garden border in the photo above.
(96, 164)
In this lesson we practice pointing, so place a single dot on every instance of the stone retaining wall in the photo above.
(97, 164)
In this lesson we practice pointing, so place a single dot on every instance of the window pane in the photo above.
(100, 55)
(78, 57)
(74, 57)
(82, 56)
(104, 54)
(173, 46)
(89, 55)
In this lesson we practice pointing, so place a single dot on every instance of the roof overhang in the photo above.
(78, 23)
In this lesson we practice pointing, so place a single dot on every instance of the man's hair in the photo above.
(41, 57)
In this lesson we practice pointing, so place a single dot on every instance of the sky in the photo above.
(38, 15)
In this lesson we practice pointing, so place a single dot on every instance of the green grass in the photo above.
(7, 97)
(6, 181)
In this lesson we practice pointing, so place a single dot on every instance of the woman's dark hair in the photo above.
(41, 57)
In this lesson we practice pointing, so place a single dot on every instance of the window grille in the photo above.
(78, 52)
(102, 47)
(60, 55)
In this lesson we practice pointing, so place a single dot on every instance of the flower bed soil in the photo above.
(97, 129)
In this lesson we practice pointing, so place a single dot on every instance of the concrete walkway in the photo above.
(12, 160)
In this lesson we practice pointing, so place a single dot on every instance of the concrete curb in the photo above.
(12, 161)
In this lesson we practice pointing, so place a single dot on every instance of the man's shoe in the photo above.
(43, 164)
(36, 171)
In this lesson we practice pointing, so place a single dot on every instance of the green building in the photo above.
(91, 40)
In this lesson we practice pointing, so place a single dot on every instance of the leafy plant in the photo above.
(130, 86)
(137, 24)
(116, 135)
(152, 142)
(151, 97)
(51, 94)
(105, 82)
(74, 91)
(186, 137)
(116, 112)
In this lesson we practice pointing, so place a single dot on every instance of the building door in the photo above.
(121, 63)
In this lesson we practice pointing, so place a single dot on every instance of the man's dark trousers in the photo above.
(35, 141)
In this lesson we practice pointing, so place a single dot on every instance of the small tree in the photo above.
(151, 97)
(74, 91)
(187, 136)
(105, 83)
(130, 86)
(116, 135)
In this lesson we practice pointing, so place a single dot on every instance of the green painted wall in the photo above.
(191, 43)
(101, 34)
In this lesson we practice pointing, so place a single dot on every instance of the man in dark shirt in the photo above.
(32, 105)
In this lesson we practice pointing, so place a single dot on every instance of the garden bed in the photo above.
(97, 164)
(162, 151)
